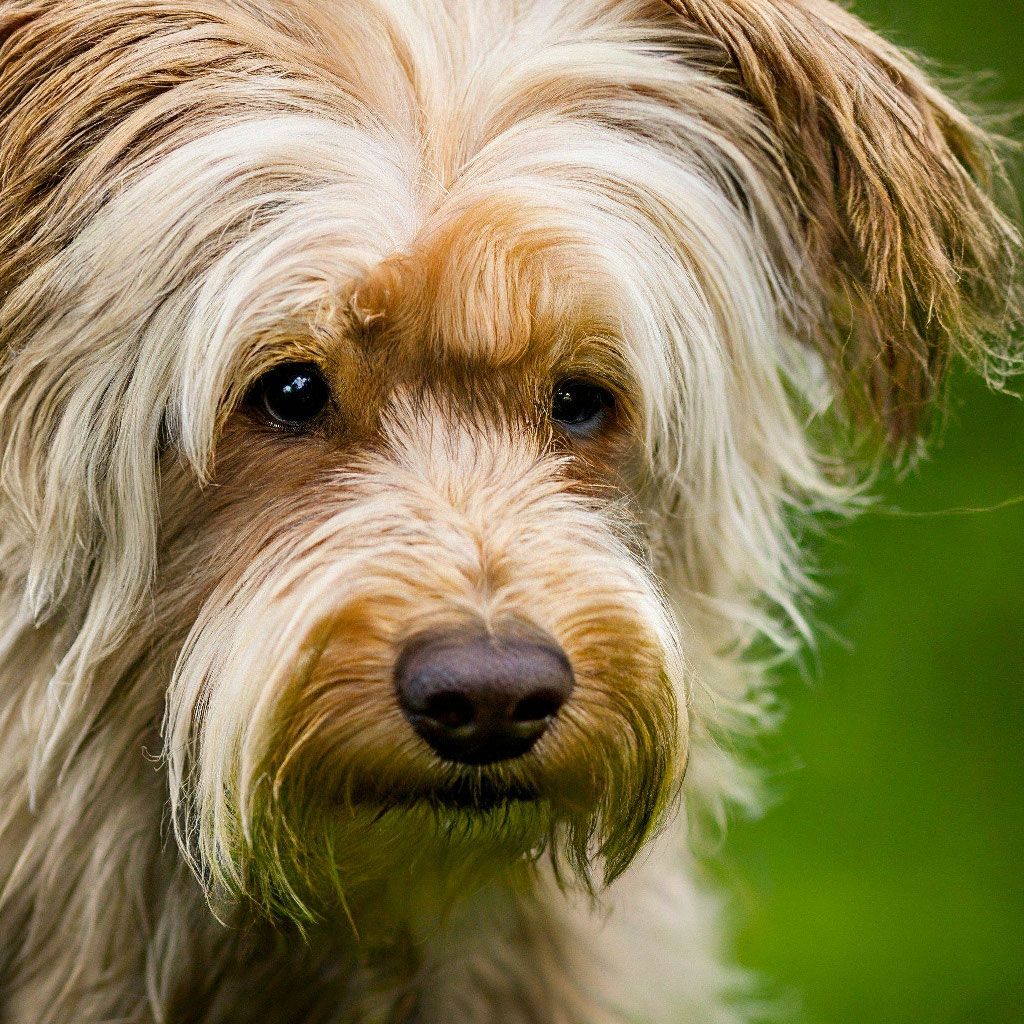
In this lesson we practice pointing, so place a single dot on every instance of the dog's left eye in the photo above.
(292, 394)
(579, 406)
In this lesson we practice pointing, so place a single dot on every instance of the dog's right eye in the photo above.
(580, 407)
(292, 394)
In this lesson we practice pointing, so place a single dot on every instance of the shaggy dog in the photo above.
(409, 413)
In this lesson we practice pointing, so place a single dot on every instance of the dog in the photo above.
(410, 413)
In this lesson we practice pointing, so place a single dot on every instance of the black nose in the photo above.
(478, 699)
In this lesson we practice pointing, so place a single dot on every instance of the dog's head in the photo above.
(412, 400)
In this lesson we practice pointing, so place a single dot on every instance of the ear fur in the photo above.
(911, 258)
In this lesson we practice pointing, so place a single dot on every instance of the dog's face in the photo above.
(425, 589)
(420, 574)
(411, 398)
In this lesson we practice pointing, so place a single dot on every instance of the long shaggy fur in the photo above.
(756, 223)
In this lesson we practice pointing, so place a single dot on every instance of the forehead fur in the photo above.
(689, 138)
(438, 113)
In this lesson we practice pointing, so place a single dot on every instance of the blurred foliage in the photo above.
(886, 886)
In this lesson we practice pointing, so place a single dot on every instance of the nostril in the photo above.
(537, 707)
(451, 710)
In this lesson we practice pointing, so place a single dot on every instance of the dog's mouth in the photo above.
(471, 792)
(481, 794)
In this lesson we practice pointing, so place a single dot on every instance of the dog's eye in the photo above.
(579, 406)
(292, 394)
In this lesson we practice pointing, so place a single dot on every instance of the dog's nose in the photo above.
(478, 699)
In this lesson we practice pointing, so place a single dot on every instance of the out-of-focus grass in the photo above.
(887, 884)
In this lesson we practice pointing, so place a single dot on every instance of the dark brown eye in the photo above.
(292, 394)
(580, 407)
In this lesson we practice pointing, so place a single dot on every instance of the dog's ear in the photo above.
(910, 258)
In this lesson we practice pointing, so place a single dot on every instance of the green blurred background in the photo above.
(886, 885)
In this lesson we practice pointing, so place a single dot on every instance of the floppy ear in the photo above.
(911, 258)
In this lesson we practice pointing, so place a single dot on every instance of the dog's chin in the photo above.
(421, 840)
